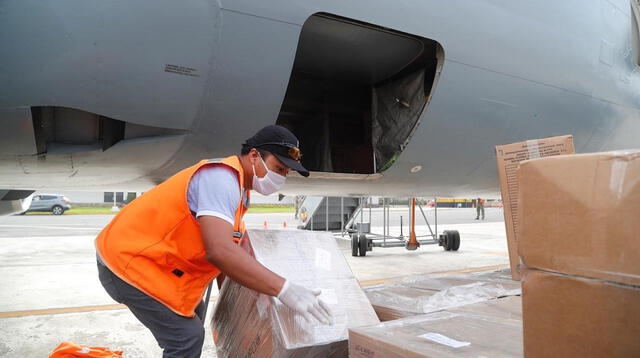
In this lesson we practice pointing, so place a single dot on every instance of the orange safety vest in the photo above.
(155, 245)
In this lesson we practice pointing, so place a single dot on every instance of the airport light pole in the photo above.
(114, 208)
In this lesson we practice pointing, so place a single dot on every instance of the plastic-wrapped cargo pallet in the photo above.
(487, 329)
(248, 324)
(506, 307)
(419, 295)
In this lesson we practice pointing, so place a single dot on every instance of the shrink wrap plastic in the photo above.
(439, 334)
(248, 324)
(419, 295)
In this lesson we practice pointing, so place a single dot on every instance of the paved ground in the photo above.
(50, 290)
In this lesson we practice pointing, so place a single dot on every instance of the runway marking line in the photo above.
(112, 307)
(52, 311)
(52, 227)
(498, 253)
(63, 310)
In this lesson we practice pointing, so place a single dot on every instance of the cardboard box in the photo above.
(419, 295)
(248, 324)
(568, 316)
(437, 283)
(441, 283)
(582, 215)
(439, 334)
(502, 275)
(504, 308)
(396, 301)
(509, 156)
(578, 242)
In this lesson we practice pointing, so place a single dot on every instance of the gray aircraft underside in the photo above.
(395, 98)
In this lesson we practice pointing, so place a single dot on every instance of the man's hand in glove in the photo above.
(305, 302)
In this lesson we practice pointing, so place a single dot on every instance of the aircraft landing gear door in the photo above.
(356, 93)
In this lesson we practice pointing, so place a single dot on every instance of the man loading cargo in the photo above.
(158, 255)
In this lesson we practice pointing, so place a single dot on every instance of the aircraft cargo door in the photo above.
(356, 93)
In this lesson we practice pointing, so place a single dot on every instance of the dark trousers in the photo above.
(177, 335)
(479, 209)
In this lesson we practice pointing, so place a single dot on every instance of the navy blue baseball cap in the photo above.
(280, 142)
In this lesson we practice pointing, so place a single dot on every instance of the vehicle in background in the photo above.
(56, 204)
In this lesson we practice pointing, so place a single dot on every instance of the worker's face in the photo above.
(271, 161)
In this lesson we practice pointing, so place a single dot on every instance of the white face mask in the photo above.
(268, 184)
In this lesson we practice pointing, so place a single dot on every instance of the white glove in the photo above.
(305, 302)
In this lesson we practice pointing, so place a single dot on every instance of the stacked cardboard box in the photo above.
(509, 157)
(248, 324)
(487, 329)
(505, 308)
(503, 275)
(579, 242)
(393, 301)
(419, 295)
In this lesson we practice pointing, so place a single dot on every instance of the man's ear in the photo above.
(253, 155)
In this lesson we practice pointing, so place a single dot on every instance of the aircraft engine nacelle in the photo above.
(15, 201)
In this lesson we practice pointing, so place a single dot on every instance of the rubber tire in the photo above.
(447, 241)
(57, 210)
(355, 245)
(363, 241)
(455, 242)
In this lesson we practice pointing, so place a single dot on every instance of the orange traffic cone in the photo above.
(265, 224)
(284, 224)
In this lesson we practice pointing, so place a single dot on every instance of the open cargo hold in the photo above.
(246, 323)
(578, 242)
(356, 93)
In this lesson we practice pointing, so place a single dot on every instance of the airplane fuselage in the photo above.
(194, 79)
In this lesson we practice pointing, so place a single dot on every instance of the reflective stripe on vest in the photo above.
(155, 245)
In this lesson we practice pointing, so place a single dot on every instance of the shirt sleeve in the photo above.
(214, 191)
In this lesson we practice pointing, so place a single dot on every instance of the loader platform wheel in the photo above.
(354, 245)
(450, 240)
(364, 242)
(455, 241)
(444, 238)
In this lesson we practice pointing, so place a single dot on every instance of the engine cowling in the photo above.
(15, 201)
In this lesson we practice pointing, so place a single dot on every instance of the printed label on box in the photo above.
(323, 259)
(439, 338)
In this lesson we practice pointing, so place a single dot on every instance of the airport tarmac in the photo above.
(51, 293)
